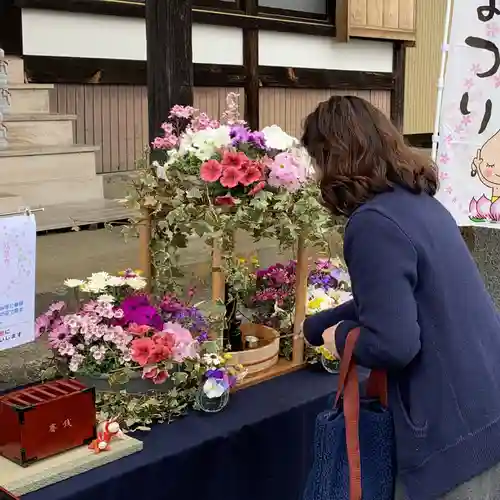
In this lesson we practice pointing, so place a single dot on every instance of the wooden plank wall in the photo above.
(423, 63)
(392, 19)
(289, 107)
(114, 117)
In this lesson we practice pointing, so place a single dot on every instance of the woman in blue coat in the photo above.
(423, 310)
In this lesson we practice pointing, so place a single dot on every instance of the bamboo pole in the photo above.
(218, 281)
(145, 261)
(300, 302)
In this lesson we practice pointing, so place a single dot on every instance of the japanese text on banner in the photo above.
(469, 143)
(17, 284)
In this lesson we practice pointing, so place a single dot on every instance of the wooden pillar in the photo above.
(398, 90)
(251, 63)
(170, 58)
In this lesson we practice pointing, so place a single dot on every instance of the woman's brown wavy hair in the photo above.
(359, 153)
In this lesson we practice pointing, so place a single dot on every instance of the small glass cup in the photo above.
(213, 404)
(330, 365)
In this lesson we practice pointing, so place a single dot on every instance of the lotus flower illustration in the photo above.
(484, 210)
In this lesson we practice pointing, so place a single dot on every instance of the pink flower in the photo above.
(42, 324)
(251, 174)
(56, 307)
(226, 200)
(231, 177)
(139, 330)
(152, 373)
(236, 160)
(202, 122)
(257, 188)
(179, 333)
(182, 111)
(142, 349)
(184, 344)
(211, 171)
(59, 335)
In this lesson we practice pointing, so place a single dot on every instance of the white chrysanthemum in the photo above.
(107, 299)
(276, 138)
(116, 281)
(136, 283)
(72, 283)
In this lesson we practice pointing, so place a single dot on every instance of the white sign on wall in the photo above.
(17, 280)
(469, 137)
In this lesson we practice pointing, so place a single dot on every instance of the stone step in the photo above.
(54, 192)
(39, 129)
(15, 69)
(69, 215)
(46, 176)
(29, 98)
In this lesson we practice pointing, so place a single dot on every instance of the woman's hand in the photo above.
(329, 340)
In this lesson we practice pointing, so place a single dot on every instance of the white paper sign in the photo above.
(469, 144)
(17, 280)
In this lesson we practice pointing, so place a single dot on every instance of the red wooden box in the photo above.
(5, 495)
(41, 420)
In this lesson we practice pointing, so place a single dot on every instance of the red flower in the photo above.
(210, 171)
(163, 345)
(236, 160)
(257, 188)
(226, 200)
(252, 174)
(231, 177)
(156, 376)
(142, 350)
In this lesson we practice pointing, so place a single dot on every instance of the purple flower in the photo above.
(239, 134)
(137, 309)
(190, 317)
(203, 337)
(257, 139)
(216, 374)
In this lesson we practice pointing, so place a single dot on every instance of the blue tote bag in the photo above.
(354, 450)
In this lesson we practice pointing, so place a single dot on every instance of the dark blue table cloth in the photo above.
(258, 448)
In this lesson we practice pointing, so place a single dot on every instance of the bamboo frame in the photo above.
(218, 293)
(298, 346)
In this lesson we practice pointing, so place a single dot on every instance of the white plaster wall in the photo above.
(66, 34)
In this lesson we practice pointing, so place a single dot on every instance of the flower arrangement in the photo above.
(118, 332)
(210, 178)
(273, 299)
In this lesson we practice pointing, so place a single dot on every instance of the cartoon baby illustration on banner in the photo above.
(486, 166)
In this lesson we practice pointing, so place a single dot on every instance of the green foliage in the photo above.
(181, 208)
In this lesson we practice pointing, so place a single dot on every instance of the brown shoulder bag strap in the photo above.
(348, 388)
